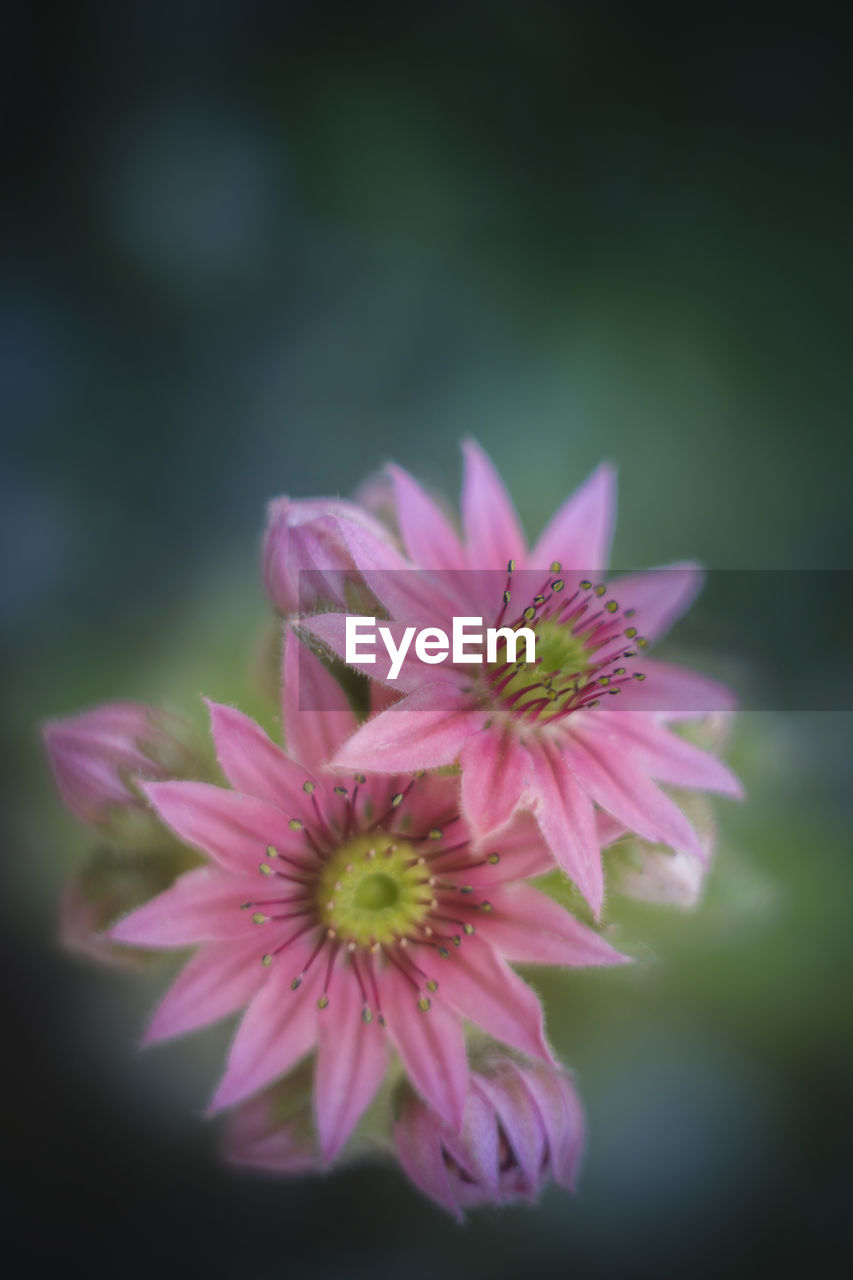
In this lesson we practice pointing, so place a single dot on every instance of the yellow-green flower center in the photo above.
(581, 642)
(561, 659)
(373, 889)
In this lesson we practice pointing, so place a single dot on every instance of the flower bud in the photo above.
(654, 872)
(95, 755)
(306, 558)
(274, 1131)
(111, 883)
(523, 1126)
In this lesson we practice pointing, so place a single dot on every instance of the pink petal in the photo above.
(495, 768)
(674, 691)
(563, 1119)
(382, 696)
(317, 715)
(482, 987)
(417, 1137)
(279, 1028)
(429, 538)
(431, 1045)
(567, 822)
(220, 978)
(608, 828)
(476, 1148)
(253, 763)
(529, 927)
(232, 828)
(352, 1057)
(201, 906)
(607, 771)
(321, 546)
(660, 596)
(405, 591)
(580, 533)
(426, 729)
(522, 850)
(672, 759)
(520, 1120)
(493, 534)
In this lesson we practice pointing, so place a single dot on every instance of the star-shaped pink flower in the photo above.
(352, 916)
(545, 737)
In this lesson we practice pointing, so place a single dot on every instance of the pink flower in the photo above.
(96, 756)
(305, 555)
(540, 736)
(350, 915)
(523, 1126)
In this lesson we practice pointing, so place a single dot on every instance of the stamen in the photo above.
(366, 1012)
(313, 956)
(492, 860)
(396, 801)
(465, 925)
(371, 977)
(389, 953)
(272, 852)
(282, 946)
(436, 855)
(334, 948)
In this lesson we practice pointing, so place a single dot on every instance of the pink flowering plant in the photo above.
(360, 893)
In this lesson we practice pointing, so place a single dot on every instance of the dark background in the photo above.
(254, 248)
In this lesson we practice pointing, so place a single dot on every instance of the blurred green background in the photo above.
(260, 248)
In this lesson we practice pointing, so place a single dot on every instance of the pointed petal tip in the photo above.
(328, 1152)
(735, 789)
(331, 1145)
(156, 1033)
(595, 900)
(151, 789)
(219, 1101)
(219, 713)
(118, 931)
(456, 1116)
(693, 846)
(606, 473)
(547, 1054)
